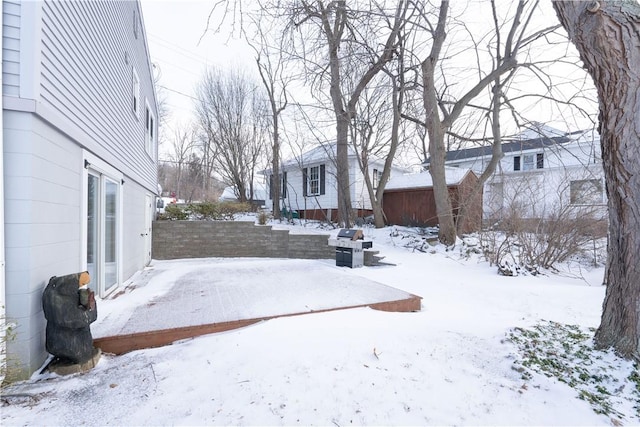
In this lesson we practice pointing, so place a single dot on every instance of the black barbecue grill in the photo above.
(350, 245)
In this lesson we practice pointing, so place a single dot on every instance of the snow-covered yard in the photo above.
(484, 350)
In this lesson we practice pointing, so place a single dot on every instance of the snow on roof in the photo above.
(507, 147)
(315, 155)
(536, 136)
(320, 154)
(535, 130)
(423, 179)
(229, 193)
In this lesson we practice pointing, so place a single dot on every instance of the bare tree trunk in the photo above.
(272, 75)
(338, 28)
(342, 165)
(343, 116)
(607, 35)
(275, 167)
(377, 202)
(496, 156)
(230, 117)
(447, 232)
(435, 107)
(397, 103)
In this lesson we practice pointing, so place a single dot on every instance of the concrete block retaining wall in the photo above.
(202, 239)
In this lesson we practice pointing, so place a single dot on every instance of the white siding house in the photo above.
(80, 140)
(541, 173)
(311, 185)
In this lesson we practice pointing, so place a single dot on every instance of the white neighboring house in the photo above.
(259, 194)
(544, 171)
(310, 185)
(80, 154)
(228, 195)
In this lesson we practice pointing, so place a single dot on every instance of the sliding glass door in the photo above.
(102, 231)
(93, 232)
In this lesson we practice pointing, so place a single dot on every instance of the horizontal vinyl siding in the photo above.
(295, 195)
(43, 196)
(10, 48)
(88, 51)
(43, 179)
(360, 195)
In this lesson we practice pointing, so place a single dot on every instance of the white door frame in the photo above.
(149, 211)
(94, 166)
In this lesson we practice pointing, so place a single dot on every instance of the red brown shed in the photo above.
(408, 199)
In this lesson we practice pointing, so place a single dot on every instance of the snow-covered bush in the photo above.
(417, 239)
(204, 211)
(517, 242)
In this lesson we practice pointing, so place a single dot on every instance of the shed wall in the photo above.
(410, 207)
(417, 207)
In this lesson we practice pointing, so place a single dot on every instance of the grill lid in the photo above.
(352, 234)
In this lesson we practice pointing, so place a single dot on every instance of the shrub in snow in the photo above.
(263, 218)
(542, 243)
(508, 266)
(205, 211)
(609, 383)
(173, 212)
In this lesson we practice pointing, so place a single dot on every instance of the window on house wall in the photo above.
(528, 162)
(313, 183)
(586, 192)
(150, 130)
(136, 93)
(283, 186)
(314, 180)
(135, 24)
(376, 178)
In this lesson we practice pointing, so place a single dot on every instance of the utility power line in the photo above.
(178, 92)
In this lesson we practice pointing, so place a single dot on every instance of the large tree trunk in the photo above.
(437, 151)
(467, 205)
(343, 117)
(446, 225)
(607, 35)
(397, 101)
(342, 166)
(275, 167)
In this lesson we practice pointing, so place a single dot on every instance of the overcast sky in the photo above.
(181, 51)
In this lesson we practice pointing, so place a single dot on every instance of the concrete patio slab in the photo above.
(185, 298)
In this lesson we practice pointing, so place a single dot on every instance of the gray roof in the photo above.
(509, 147)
